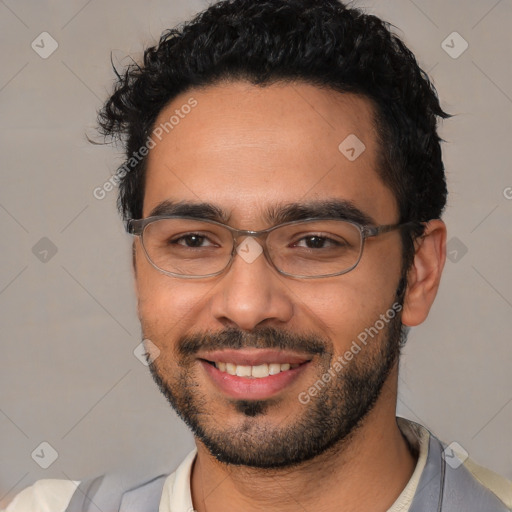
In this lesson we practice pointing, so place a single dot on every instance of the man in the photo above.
(284, 185)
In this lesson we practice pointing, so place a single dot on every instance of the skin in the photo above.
(245, 148)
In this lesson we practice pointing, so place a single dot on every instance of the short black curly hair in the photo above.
(320, 42)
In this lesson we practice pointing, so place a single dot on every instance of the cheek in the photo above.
(166, 307)
(345, 305)
(165, 304)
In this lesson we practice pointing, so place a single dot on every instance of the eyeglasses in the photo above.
(188, 247)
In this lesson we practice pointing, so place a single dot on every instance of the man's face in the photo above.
(245, 149)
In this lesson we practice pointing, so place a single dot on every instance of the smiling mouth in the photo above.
(268, 375)
(256, 372)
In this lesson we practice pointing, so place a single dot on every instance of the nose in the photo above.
(251, 291)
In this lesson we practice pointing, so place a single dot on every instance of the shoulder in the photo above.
(448, 472)
(134, 488)
(468, 482)
(48, 495)
(496, 484)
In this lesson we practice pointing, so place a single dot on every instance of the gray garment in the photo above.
(109, 492)
(441, 489)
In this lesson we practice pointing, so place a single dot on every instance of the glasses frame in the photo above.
(136, 227)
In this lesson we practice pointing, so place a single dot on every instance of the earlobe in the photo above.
(424, 275)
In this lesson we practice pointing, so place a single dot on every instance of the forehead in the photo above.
(246, 148)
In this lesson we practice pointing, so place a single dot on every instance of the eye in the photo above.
(192, 240)
(314, 241)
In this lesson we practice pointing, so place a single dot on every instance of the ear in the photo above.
(424, 276)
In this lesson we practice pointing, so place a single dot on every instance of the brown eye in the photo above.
(317, 242)
(192, 240)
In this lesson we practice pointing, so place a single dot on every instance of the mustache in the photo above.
(266, 337)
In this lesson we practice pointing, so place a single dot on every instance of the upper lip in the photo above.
(254, 357)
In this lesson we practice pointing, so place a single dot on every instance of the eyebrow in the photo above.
(341, 209)
(207, 211)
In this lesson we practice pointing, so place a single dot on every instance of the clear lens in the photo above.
(197, 248)
(315, 248)
(187, 247)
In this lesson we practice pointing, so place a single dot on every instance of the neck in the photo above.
(366, 472)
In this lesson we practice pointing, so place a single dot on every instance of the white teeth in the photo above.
(258, 372)
(243, 371)
(274, 368)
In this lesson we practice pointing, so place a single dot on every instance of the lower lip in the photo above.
(252, 388)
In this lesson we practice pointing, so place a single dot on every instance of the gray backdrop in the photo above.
(68, 374)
